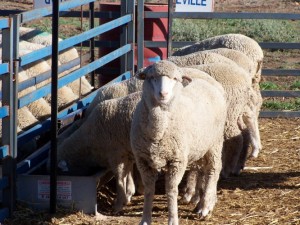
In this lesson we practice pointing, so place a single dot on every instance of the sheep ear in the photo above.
(141, 76)
(141, 73)
(186, 80)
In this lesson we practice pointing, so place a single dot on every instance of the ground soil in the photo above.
(266, 192)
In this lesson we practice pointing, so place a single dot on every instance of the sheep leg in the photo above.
(251, 122)
(173, 177)
(190, 187)
(130, 187)
(121, 172)
(149, 177)
(232, 149)
(211, 170)
(243, 156)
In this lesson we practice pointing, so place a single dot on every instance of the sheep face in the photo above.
(162, 79)
(162, 88)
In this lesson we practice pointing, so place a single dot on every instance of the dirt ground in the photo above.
(266, 192)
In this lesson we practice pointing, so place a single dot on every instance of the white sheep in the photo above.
(40, 108)
(33, 39)
(103, 141)
(107, 92)
(239, 42)
(227, 56)
(65, 94)
(174, 127)
(238, 93)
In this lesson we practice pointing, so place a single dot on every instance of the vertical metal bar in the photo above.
(131, 37)
(140, 34)
(7, 87)
(92, 40)
(123, 37)
(16, 25)
(170, 22)
(54, 86)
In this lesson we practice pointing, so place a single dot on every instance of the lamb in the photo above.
(173, 127)
(105, 133)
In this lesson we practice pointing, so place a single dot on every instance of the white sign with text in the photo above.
(194, 6)
(43, 3)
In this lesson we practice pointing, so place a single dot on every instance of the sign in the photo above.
(43, 3)
(194, 6)
(64, 190)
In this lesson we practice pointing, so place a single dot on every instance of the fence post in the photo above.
(131, 37)
(92, 40)
(140, 34)
(170, 24)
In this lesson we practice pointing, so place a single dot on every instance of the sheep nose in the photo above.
(163, 93)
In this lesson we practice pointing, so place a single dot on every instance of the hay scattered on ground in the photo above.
(267, 192)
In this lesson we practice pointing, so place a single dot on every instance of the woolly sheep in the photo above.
(107, 92)
(239, 42)
(238, 53)
(103, 141)
(227, 56)
(163, 139)
(40, 108)
(65, 94)
(40, 39)
(238, 92)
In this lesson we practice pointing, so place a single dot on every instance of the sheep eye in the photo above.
(175, 78)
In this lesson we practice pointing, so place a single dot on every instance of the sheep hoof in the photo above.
(185, 199)
(144, 223)
(202, 213)
(255, 153)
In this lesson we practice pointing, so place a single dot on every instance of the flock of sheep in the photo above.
(195, 113)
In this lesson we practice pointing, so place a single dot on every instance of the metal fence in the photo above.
(12, 61)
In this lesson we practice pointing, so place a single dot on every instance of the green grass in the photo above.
(269, 86)
(292, 105)
(260, 30)
(296, 85)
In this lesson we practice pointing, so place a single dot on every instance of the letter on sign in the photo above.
(194, 6)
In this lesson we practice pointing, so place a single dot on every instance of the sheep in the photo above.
(238, 94)
(65, 94)
(239, 42)
(39, 39)
(199, 58)
(40, 108)
(103, 141)
(106, 92)
(174, 127)
(255, 102)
